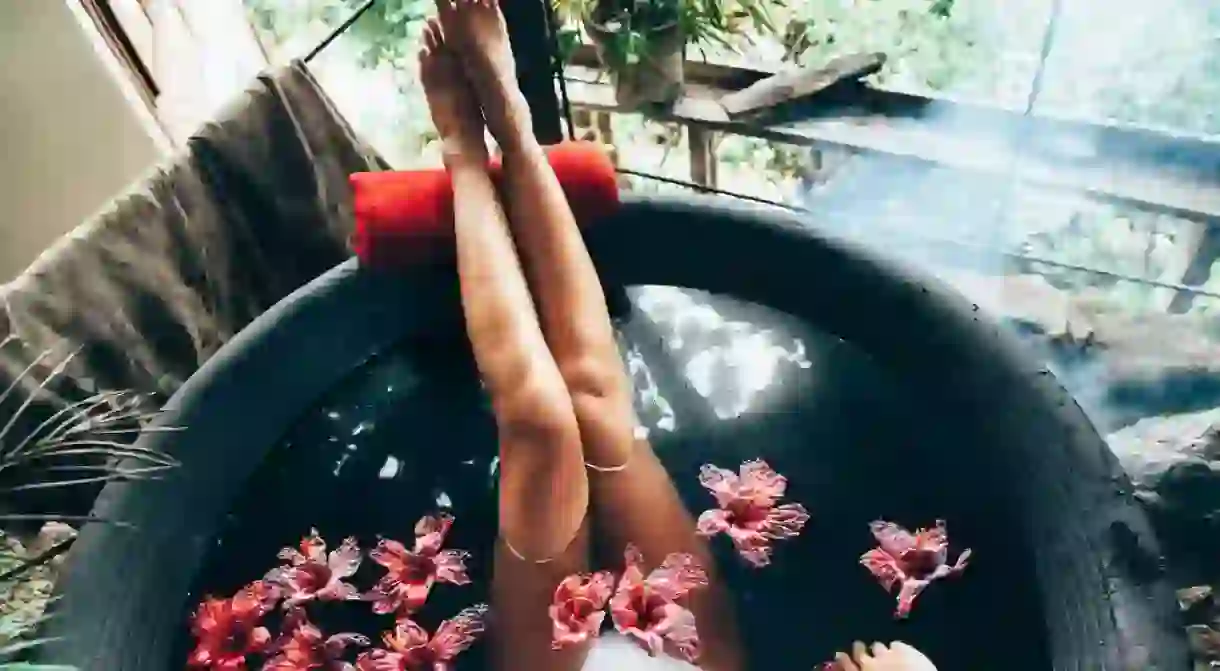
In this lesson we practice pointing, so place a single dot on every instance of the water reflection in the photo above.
(717, 381)
(728, 359)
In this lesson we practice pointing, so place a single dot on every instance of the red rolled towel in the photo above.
(405, 217)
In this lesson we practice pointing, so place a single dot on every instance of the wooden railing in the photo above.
(1154, 170)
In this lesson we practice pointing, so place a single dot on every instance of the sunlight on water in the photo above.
(729, 362)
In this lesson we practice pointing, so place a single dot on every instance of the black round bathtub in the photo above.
(353, 406)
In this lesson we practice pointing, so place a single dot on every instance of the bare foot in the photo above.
(455, 110)
(479, 36)
(897, 657)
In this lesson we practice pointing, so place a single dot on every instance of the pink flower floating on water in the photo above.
(410, 648)
(644, 608)
(306, 648)
(226, 630)
(911, 561)
(579, 608)
(312, 574)
(411, 573)
(230, 636)
(747, 509)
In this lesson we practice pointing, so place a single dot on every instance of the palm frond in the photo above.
(85, 443)
(16, 639)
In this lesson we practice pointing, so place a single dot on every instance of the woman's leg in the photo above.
(638, 504)
(543, 486)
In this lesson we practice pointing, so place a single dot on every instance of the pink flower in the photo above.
(411, 573)
(579, 607)
(911, 561)
(644, 608)
(747, 509)
(380, 660)
(226, 630)
(410, 648)
(305, 648)
(312, 574)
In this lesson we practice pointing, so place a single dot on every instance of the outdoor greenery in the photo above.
(980, 50)
(723, 24)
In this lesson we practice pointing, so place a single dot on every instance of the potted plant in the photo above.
(642, 43)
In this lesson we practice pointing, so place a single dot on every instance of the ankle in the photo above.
(461, 152)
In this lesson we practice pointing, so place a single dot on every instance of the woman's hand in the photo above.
(898, 656)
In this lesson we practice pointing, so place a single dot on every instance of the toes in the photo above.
(445, 9)
(860, 653)
(845, 663)
(432, 35)
(879, 649)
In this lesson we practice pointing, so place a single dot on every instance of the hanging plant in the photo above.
(642, 43)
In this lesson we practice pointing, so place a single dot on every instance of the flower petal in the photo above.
(722, 483)
(677, 628)
(884, 567)
(712, 522)
(389, 553)
(962, 560)
(451, 567)
(380, 660)
(753, 546)
(458, 633)
(785, 521)
(563, 635)
(892, 538)
(911, 588)
(345, 559)
(763, 485)
(338, 590)
(676, 576)
(430, 532)
(406, 635)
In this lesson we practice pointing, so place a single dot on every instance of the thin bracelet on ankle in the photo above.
(513, 551)
(609, 469)
(517, 553)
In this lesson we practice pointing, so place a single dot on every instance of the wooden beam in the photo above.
(1191, 266)
(786, 87)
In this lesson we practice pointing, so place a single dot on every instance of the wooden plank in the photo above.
(792, 85)
(703, 164)
(1191, 266)
(1161, 172)
(731, 74)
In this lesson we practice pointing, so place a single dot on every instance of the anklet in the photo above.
(513, 551)
(609, 469)
(517, 553)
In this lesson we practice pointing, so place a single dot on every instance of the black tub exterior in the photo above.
(1106, 603)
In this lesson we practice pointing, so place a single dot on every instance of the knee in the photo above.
(593, 380)
(536, 410)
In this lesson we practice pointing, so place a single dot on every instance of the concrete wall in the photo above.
(69, 137)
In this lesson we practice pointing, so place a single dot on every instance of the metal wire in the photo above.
(339, 30)
(937, 241)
